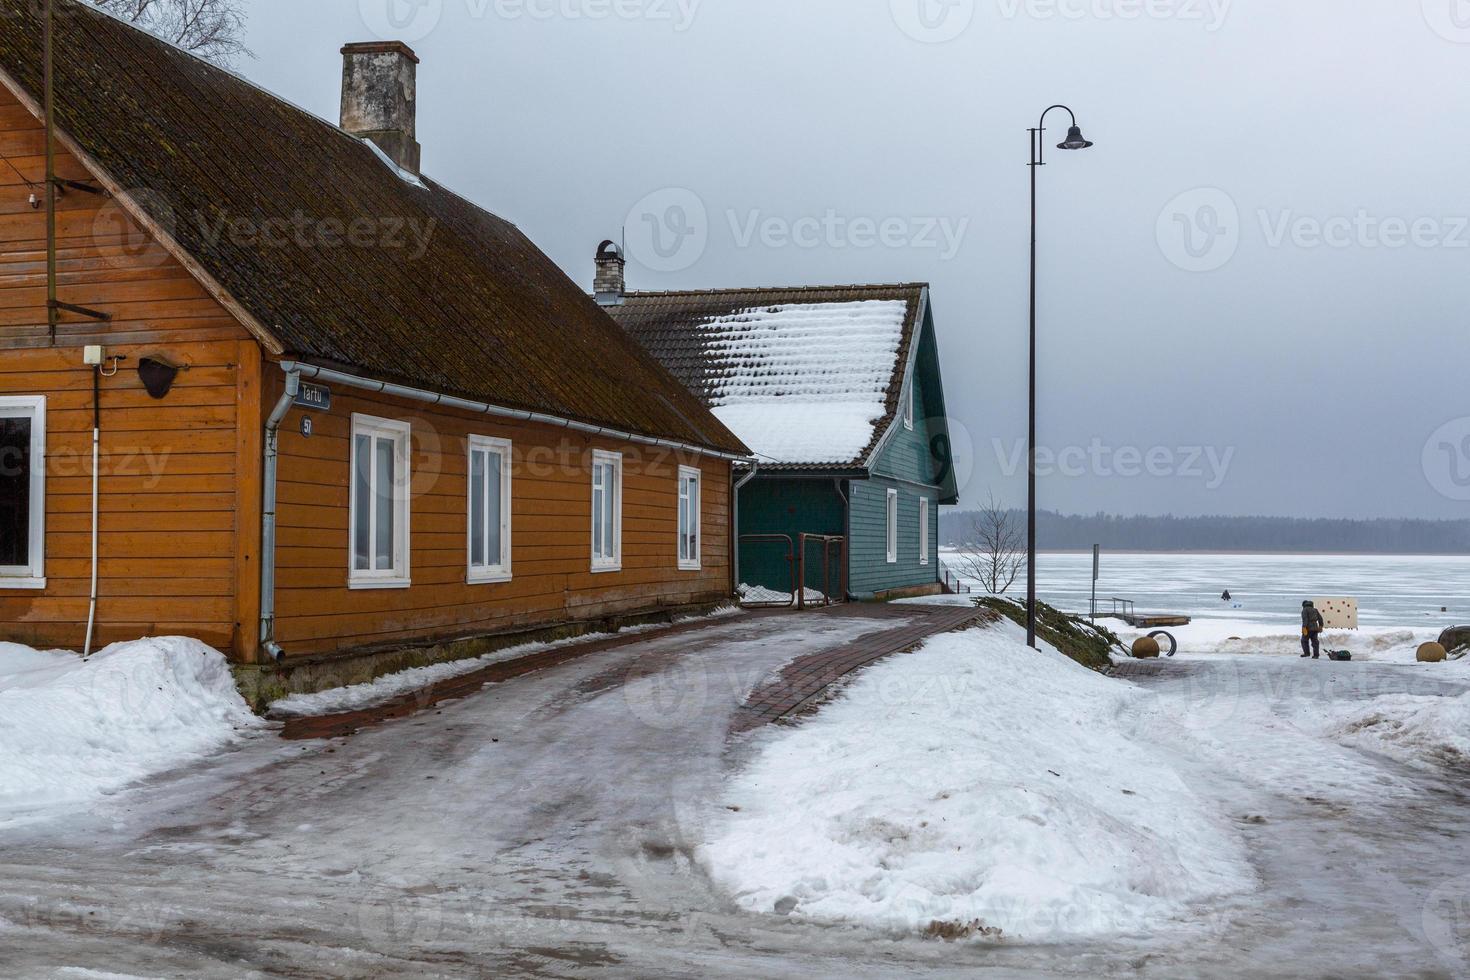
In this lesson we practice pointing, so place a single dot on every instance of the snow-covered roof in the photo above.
(805, 377)
(805, 383)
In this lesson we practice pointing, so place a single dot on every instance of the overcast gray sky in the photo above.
(1254, 288)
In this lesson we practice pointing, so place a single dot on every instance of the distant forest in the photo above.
(1064, 532)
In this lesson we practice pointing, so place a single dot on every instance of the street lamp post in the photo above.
(1074, 141)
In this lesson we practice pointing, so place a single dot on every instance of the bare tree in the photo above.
(209, 28)
(996, 551)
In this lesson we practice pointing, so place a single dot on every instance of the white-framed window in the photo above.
(893, 527)
(923, 530)
(488, 520)
(908, 407)
(378, 518)
(607, 511)
(23, 492)
(689, 518)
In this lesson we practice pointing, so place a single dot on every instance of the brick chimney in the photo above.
(609, 284)
(379, 93)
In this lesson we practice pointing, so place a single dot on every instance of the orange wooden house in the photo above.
(341, 412)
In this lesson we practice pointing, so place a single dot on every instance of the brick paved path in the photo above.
(804, 683)
(454, 688)
(801, 683)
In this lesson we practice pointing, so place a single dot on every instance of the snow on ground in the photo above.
(1340, 704)
(759, 595)
(73, 730)
(1394, 644)
(808, 381)
(356, 697)
(1425, 731)
(974, 781)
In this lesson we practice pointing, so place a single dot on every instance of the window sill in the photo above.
(685, 566)
(487, 578)
(605, 569)
(22, 583)
(367, 584)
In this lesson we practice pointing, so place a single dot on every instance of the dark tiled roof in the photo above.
(678, 329)
(482, 313)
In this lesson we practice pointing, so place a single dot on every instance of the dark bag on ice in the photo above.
(1339, 655)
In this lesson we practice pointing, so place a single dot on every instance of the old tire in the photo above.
(1146, 648)
(1158, 635)
(1432, 653)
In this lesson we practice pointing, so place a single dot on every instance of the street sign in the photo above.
(317, 398)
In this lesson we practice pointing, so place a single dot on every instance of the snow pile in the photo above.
(73, 730)
(1236, 636)
(1416, 729)
(760, 595)
(974, 785)
(806, 383)
(1421, 729)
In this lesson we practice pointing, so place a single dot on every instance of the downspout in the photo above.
(755, 467)
(846, 538)
(268, 644)
(96, 440)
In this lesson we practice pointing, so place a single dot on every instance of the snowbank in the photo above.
(1237, 636)
(759, 594)
(72, 730)
(975, 783)
(1421, 729)
(1416, 729)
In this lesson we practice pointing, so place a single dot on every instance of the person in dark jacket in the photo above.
(1312, 626)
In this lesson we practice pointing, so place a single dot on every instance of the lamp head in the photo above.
(1074, 140)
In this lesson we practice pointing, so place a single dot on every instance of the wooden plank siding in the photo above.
(168, 490)
(180, 491)
(551, 506)
(869, 571)
(905, 463)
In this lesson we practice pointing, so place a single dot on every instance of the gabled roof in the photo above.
(475, 311)
(807, 377)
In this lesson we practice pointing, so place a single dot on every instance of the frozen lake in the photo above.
(1403, 591)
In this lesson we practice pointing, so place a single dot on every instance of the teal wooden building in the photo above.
(838, 391)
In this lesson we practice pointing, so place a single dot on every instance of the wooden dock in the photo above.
(1149, 622)
(1125, 610)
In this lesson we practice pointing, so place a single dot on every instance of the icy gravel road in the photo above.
(543, 828)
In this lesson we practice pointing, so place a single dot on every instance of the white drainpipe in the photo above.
(755, 467)
(268, 642)
(96, 442)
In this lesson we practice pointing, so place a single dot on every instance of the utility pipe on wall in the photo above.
(96, 442)
(755, 467)
(268, 643)
(48, 99)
